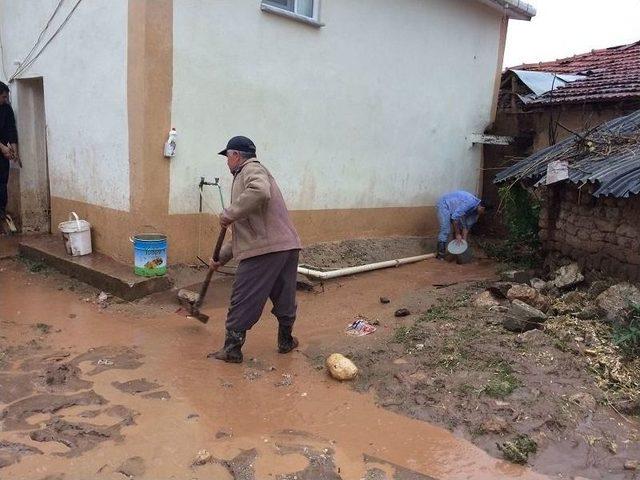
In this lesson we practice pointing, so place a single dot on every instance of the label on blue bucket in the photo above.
(150, 257)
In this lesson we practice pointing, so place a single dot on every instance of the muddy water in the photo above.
(245, 415)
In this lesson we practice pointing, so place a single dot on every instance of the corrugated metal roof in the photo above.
(611, 74)
(613, 164)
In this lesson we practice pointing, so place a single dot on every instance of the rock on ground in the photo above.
(530, 296)
(486, 300)
(568, 276)
(537, 283)
(517, 276)
(203, 457)
(615, 302)
(341, 368)
(522, 317)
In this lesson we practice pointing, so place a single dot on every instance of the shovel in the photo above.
(195, 300)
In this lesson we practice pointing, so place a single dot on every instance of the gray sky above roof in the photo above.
(562, 28)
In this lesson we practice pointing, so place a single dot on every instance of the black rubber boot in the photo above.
(442, 250)
(286, 341)
(232, 350)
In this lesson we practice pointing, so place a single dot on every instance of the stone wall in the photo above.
(601, 234)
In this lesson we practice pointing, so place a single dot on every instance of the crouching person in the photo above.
(460, 209)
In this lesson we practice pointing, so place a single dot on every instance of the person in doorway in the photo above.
(460, 209)
(8, 145)
(267, 246)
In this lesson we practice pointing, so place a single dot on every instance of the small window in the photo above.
(304, 10)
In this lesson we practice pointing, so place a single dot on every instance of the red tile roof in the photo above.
(612, 74)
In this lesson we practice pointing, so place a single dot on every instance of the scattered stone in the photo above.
(500, 289)
(495, 425)
(528, 295)
(341, 368)
(384, 300)
(402, 312)
(615, 302)
(537, 283)
(568, 276)
(132, 467)
(188, 296)
(287, 380)
(103, 297)
(522, 317)
(631, 465)
(252, 375)
(517, 276)
(203, 457)
(584, 400)
(486, 300)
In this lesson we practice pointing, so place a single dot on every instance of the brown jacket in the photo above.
(261, 222)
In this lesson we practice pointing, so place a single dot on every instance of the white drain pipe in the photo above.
(362, 268)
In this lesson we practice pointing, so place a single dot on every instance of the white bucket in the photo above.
(76, 235)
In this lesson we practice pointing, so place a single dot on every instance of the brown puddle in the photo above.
(275, 417)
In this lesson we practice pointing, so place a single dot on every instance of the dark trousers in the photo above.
(259, 278)
(4, 180)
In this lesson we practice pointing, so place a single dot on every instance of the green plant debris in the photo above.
(627, 336)
(521, 213)
(518, 449)
(503, 383)
(401, 334)
(34, 266)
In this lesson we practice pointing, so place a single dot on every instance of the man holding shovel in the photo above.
(267, 245)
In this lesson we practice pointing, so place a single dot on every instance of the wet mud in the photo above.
(11, 453)
(276, 416)
(15, 416)
(133, 387)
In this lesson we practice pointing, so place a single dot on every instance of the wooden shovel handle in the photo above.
(218, 247)
(207, 280)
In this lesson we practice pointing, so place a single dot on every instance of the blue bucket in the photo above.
(150, 254)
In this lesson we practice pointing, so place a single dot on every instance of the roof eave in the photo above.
(516, 9)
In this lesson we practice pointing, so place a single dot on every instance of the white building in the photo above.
(362, 109)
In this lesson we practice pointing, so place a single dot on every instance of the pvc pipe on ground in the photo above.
(362, 268)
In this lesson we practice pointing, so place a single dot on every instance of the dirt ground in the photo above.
(350, 253)
(116, 390)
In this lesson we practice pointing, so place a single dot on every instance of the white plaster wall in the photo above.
(371, 110)
(85, 89)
